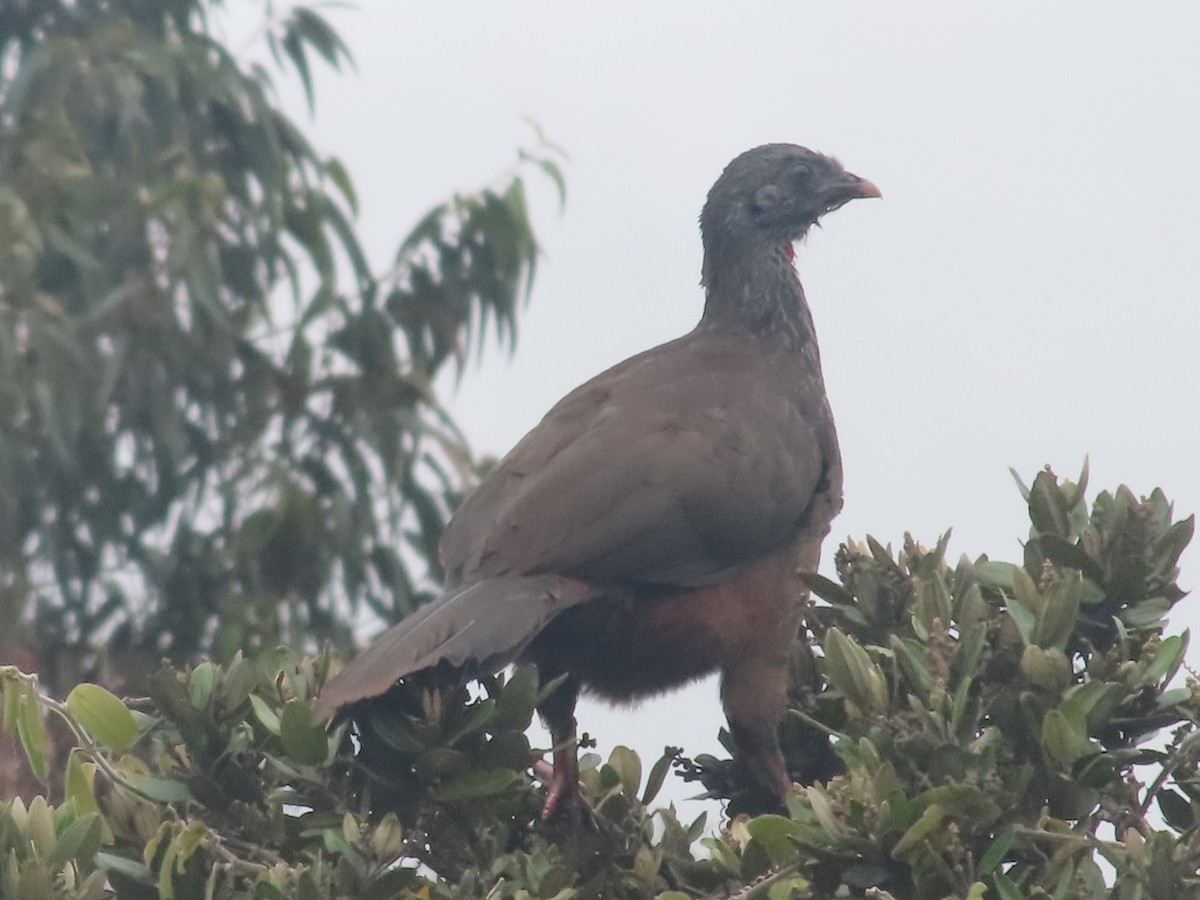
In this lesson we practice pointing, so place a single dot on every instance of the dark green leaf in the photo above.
(930, 821)
(1065, 553)
(477, 785)
(78, 843)
(164, 790)
(658, 775)
(777, 836)
(1007, 888)
(1177, 811)
(515, 704)
(303, 741)
(1048, 507)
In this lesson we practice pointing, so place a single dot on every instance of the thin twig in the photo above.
(1186, 752)
(1071, 837)
(809, 720)
(236, 862)
(758, 888)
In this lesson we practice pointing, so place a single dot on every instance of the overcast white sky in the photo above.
(1027, 292)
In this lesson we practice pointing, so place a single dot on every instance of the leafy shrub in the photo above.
(1001, 730)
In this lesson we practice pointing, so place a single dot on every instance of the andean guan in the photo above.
(651, 528)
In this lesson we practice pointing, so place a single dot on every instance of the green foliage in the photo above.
(217, 428)
(1022, 708)
(994, 740)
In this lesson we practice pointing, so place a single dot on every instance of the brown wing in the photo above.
(671, 468)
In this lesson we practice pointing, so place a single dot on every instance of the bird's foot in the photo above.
(563, 795)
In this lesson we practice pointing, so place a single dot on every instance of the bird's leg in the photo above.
(558, 712)
(754, 694)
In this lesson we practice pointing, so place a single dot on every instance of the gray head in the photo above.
(770, 196)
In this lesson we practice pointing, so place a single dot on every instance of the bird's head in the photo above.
(771, 195)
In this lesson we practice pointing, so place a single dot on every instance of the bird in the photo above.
(653, 527)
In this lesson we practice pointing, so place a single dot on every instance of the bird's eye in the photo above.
(766, 197)
(801, 175)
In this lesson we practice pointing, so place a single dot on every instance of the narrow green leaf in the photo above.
(264, 713)
(166, 874)
(1021, 486)
(32, 731)
(293, 46)
(823, 810)
(1059, 612)
(321, 36)
(829, 591)
(853, 673)
(1173, 697)
(201, 682)
(1063, 740)
(78, 784)
(337, 173)
(78, 843)
(1047, 506)
(658, 775)
(930, 820)
(1007, 888)
(996, 574)
(911, 657)
(994, 855)
(970, 651)
(188, 841)
(39, 827)
(1146, 613)
(1167, 658)
(127, 868)
(1023, 619)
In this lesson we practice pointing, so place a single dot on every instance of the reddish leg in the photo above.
(755, 700)
(562, 788)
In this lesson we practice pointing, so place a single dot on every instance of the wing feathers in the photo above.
(479, 627)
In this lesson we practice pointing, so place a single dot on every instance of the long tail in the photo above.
(479, 627)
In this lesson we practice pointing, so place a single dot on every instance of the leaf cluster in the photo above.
(1002, 726)
(983, 737)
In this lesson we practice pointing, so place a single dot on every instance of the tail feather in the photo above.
(479, 627)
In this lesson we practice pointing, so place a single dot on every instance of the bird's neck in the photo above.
(758, 292)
